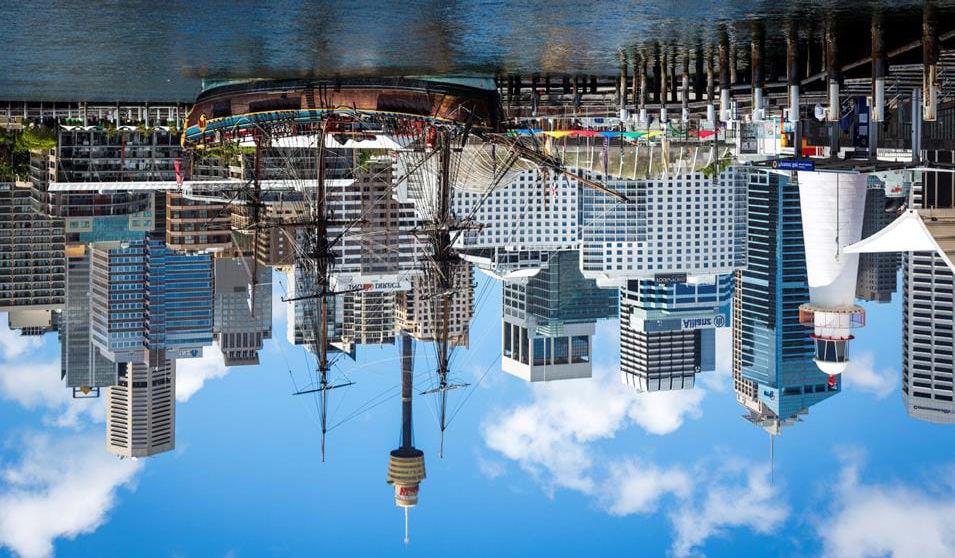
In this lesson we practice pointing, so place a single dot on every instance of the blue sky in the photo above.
(575, 468)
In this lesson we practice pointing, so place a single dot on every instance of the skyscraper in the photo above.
(242, 321)
(147, 297)
(667, 331)
(773, 370)
(368, 317)
(684, 225)
(141, 407)
(928, 304)
(375, 231)
(416, 309)
(534, 212)
(32, 263)
(549, 320)
(877, 272)
(84, 369)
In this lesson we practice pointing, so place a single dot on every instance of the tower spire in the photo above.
(406, 464)
(772, 459)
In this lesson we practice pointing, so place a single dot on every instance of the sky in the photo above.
(575, 468)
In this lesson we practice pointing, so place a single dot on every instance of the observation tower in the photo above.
(832, 207)
(406, 464)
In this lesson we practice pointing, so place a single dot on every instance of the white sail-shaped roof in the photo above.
(926, 230)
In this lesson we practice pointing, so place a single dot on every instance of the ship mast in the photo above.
(442, 268)
(319, 259)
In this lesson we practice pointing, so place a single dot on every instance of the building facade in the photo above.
(667, 331)
(32, 257)
(548, 321)
(145, 297)
(141, 408)
(417, 310)
(197, 226)
(242, 319)
(534, 212)
(928, 365)
(689, 224)
(774, 375)
(877, 272)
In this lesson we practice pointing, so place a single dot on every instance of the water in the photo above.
(140, 51)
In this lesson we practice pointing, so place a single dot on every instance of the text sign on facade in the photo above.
(795, 165)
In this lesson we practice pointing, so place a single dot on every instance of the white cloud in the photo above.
(37, 385)
(634, 486)
(12, 344)
(888, 519)
(552, 437)
(192, 373)
(490, 468)
(863, 375)
(60, 488)
(547, 436)
(735, 496)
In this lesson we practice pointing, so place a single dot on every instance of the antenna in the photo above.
(407, 537)
(772, 459)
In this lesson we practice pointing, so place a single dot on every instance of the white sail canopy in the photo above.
(926, 230)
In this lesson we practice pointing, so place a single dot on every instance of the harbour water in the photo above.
(142, 51)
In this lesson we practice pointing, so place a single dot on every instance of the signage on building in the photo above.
(380, 285)
(670, 278)
(716, 320)
(183, 353)
(795, 164)
(679, 324)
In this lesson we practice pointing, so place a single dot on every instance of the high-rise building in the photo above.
(98, 181)
(684, 225)
(773, 370)
(668, 331)
(534, 212)
(242, 319)
(377, 242)
(549, 320)
(83, 368)
(368, 318)
(925, 233)
(141, 407)
(197, 226)
(928, 367)
(32, 265)
(88, 154)
(928, 306)
(417, 309)
(877, 272)
(305, 314)
(147, 297)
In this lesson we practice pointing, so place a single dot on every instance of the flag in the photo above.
(178, 173)
(606, 155)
